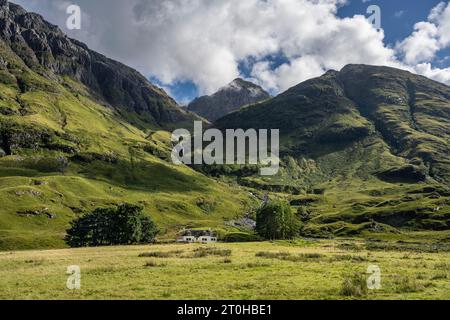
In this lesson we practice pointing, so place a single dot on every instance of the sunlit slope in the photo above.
(405, 117)
(361, 146)
(64, 152)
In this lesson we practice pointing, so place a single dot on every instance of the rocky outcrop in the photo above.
(46, 49)
(228, 99)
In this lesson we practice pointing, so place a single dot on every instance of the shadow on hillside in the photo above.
(144, 176)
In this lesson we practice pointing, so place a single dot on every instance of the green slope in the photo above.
(363, 148)
(65, 152)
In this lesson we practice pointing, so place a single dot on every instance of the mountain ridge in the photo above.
(363, 150)
(41, 44)
(357, 102)
(65, 150)
(227, 99)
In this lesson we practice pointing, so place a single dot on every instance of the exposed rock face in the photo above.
(41, 44)
(228, 99)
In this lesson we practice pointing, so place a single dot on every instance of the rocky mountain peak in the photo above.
(44, 48)
(227, 99)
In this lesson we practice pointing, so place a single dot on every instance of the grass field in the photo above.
(301, 269)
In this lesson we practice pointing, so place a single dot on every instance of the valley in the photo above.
(286, 270)
(363, 151)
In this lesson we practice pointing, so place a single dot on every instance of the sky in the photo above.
(194, 47)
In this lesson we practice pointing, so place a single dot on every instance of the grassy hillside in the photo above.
(363, 148)
(278, 270)
(64, 152)
(44, 48)
(402, 117)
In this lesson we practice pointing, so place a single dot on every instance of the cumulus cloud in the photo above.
(422, 45)
(339, 42)
(428, 37)
(441, 75)
(205, 41)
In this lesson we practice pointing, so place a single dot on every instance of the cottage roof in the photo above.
(199, 233)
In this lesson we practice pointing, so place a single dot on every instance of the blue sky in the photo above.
(398, 20)
(398, 16)
(194, 47)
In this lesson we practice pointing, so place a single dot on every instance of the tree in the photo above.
(125, 224)
(275, 220)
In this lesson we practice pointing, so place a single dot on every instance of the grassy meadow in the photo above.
(300, 269)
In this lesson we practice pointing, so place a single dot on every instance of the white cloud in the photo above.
(422, 45)
(339, 42)
(204, 41)
(429, 37)
(441, 75)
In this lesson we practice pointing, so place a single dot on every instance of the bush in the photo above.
(286, 256)
(123, 225)
(160, 254)
(347, 257)
(354, 285)
(272, 255)
(304, 214)
(275, 220)
(406, 284)
(240, 237)
(154, 264)
(204, 252)
(155, 255)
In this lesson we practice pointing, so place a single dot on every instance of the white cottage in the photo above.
(198, 236)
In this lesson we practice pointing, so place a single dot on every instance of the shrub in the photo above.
(442, 266)
(354, 285)
(275, 220)
(304, 214)
(35, 262)
(439, 276)
(257, 265)
(406, 284)
(286, 256)
(123, 225)
(311, 255)
(347, 257)
(153, 264)
(159, 254)
(155, 255)
(204, 252)
(240, 237)
(272, 255)
(349, 247)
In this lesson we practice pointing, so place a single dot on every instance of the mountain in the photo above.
(370, 143)
(230, 98)
(79, 131)
(45, 49)
(364, 150)
(409, 113)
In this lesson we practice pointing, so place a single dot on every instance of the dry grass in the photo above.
(240, 271)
